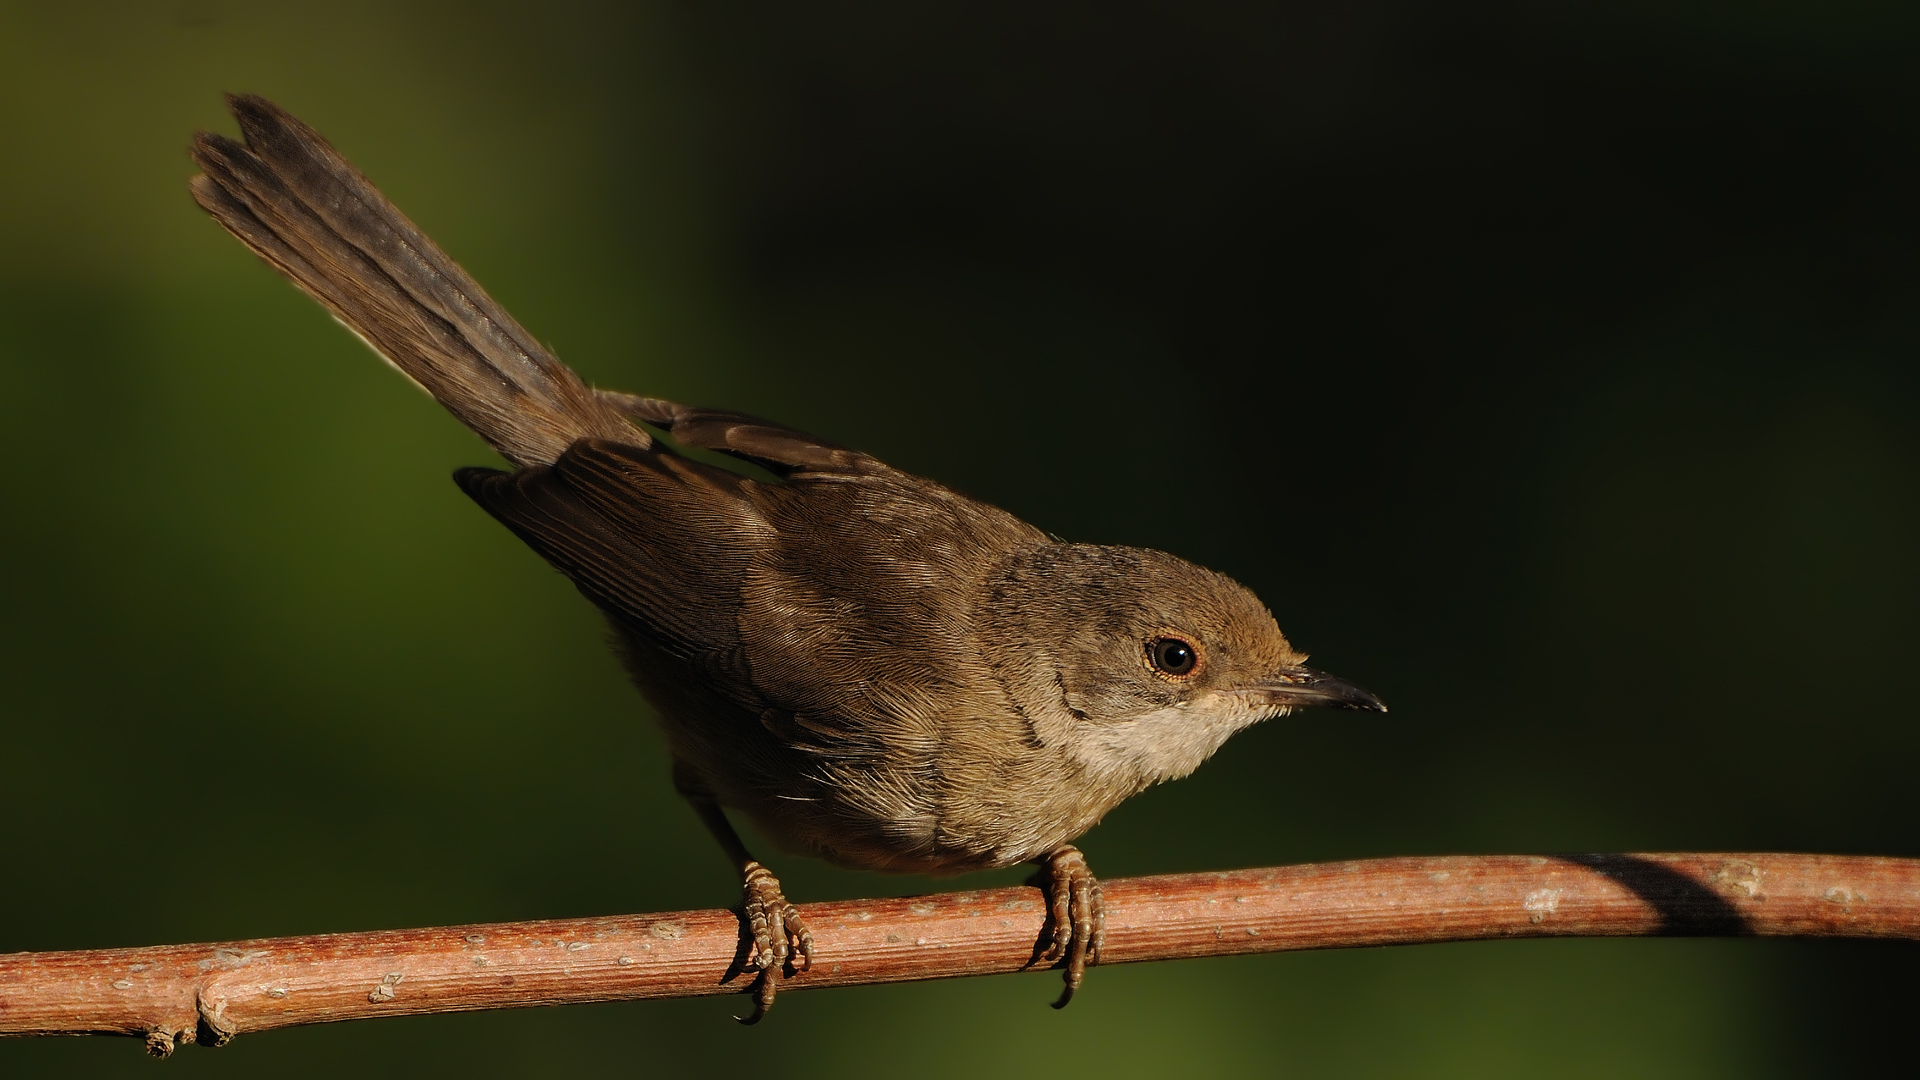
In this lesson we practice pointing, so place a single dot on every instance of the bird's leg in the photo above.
(1076, 917)
(781, 942)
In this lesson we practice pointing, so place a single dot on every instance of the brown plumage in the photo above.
(876, 670)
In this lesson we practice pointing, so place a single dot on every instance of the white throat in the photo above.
(1168, 743)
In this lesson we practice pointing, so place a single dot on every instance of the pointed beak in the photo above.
(1302, 686)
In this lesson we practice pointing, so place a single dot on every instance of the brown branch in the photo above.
(211, 993)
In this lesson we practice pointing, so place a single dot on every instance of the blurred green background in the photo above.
(1549, 370)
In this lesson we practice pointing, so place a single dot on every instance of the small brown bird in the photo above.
(872, 668)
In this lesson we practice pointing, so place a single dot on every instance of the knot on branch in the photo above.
(160, 1042)
(213, 1027)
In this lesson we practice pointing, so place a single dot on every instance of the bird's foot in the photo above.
(782, 944)
(1076, 917)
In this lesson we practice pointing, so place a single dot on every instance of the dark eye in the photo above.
(1172, 656)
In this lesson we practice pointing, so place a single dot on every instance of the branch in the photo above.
(211, 993)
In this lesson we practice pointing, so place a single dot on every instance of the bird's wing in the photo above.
(836, 610)
(659, 542)
(781, 450)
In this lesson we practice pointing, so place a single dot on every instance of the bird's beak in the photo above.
(1301, 686)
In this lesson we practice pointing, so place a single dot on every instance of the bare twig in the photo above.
(211, 993)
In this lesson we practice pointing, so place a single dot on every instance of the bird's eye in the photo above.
(1172, 656)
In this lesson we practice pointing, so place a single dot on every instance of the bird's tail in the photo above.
(299, 205)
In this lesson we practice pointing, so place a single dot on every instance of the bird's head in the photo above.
(1149, 662)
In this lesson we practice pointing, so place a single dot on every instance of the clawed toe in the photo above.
(781, 943)
(1076, 917)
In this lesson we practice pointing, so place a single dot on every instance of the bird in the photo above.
(870, 667)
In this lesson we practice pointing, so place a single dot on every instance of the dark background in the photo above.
(1549, 369)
